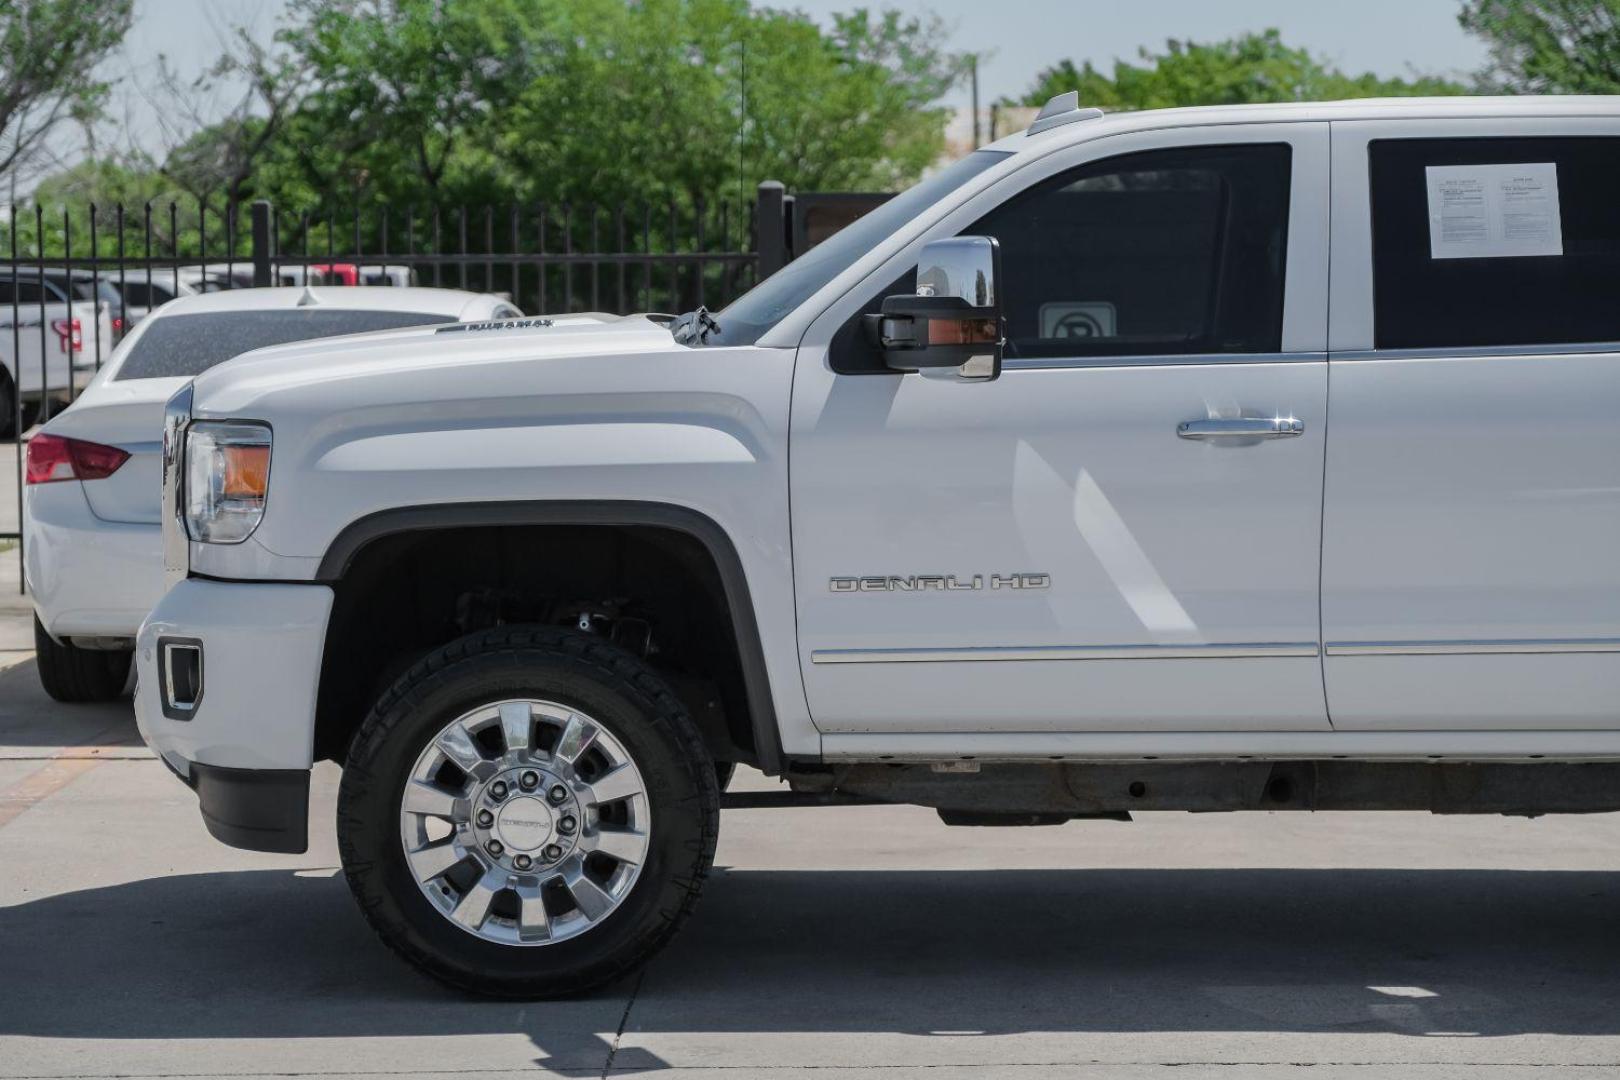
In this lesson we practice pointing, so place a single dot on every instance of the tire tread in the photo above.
(661, 707)
(75, 676)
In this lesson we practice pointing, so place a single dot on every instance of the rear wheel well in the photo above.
(656, 591)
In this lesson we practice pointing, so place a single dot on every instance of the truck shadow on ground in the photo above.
(283, 954)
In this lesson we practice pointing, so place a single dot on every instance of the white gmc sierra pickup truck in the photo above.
(1217, 459)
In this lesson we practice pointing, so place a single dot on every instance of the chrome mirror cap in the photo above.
(962, 268)
(952, 326)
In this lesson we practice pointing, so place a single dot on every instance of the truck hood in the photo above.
(578, 409)
(448, 361)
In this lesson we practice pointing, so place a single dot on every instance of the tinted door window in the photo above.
(1166, 252)
(142, 294)
(24, 291)
(191, 344)
(83, 288)
(1431, 290)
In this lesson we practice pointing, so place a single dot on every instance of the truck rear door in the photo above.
(1469, 578)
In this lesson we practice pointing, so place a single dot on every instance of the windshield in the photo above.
(762, 307)
(191, 344)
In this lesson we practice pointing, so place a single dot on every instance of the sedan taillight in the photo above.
(52, 458)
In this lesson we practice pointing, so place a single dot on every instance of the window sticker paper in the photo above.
(1494, 211)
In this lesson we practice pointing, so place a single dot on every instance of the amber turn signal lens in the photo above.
(247, 471)
(962, 331)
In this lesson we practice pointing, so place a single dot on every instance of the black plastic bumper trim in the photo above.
(254, 809)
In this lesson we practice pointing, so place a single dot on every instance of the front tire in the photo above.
(73, 675)
(527, 812)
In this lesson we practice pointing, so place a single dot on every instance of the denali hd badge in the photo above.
(940, 583)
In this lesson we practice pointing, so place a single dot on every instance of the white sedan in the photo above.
(91, 525)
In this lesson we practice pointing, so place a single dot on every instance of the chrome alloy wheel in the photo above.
(525, 822)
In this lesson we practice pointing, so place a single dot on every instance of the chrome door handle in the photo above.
(1248, 427)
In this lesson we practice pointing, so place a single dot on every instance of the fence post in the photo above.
(261, 244)
(773, 228)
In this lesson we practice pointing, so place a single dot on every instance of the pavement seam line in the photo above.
(91, 756)
(59, 770)
(624, 1022)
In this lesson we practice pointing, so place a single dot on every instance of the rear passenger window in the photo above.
(1481, 242)
(1169, 252)
(140, 294)
(24, 291)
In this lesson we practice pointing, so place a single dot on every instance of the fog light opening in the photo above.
(180, 670)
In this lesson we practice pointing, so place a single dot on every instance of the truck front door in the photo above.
(1054, 551)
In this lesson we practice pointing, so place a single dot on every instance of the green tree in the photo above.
(210, 158)
(403, 92)
(421, 101)
(106, 183)
(49, 52)
(428, 106)
(1549, 46)
(704, 97)
(1249, 68)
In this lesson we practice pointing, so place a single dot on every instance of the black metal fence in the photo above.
(73, 282)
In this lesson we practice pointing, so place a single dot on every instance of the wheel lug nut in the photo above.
(485, 819)
(523, 862)
(558, 793)
(552, 853)
(495, 847)
(530, 780)
(498, 789)
(566, 825)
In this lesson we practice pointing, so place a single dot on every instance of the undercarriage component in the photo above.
(784, 800)
(984, 817)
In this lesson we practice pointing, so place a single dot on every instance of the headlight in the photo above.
(227, 479)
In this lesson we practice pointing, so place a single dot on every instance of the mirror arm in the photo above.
(892, 331)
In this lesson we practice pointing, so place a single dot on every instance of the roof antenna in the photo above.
(1062, 109)
(307, 298)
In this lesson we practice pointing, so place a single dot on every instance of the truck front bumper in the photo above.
(227, 676)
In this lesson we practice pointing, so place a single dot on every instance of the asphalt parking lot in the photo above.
(849, 941)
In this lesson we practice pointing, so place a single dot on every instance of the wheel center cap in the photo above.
(524, 824)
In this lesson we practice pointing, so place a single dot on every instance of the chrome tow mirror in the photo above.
(953, 324)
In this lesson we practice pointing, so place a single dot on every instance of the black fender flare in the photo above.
(340, 555)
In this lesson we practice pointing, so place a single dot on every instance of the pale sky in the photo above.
(1388, 37)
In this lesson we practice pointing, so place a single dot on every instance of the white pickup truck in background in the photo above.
(51, 328)
(1240, 458)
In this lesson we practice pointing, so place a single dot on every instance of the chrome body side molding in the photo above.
(1126, 360)
(1063, 652)
(1211, 652)
(1472, 648)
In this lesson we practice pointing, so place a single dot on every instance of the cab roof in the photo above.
(1083, 123)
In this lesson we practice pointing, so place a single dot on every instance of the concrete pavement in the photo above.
(833, 942)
